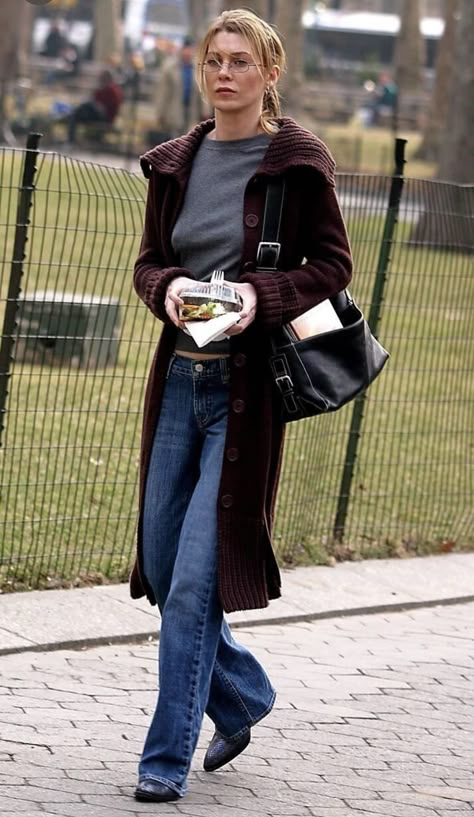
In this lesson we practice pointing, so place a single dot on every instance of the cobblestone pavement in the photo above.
(374, 716)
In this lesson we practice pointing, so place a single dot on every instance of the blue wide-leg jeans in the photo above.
(201, 667)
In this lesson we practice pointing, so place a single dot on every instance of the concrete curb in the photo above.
(141, 637)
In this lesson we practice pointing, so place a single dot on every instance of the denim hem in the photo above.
(242, 731)
(181, 790)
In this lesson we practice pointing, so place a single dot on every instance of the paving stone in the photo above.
(11, 780)
(36, 794)
(186, 807)
(27, 813)
(335, 812)
(86, 810)
(355, 780)
(19, 808)
(390, 809)
(441, 812)
(451, 793)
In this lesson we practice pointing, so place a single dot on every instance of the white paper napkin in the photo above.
(204, 332)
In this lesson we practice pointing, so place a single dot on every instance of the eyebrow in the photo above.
(231, 54)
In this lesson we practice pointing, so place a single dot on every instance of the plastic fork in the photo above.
(217, 282)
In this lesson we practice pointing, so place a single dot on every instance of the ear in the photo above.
(274, 75)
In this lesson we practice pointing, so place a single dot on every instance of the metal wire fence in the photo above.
(76, 345)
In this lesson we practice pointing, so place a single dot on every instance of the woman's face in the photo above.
(227, 90)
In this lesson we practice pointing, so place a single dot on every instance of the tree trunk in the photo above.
(261, 7)
(25, 39)
(447, 221)
(12, 15)
(288, 23)
(200, 12)
(409, 50)
(439, 103)
(108, 35)
(457, 150)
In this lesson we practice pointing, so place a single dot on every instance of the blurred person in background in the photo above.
(69, 66)
(55, 41)
(102, 107)
(385, 101)
(175, 93)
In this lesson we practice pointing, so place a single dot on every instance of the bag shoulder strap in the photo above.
(268, 251)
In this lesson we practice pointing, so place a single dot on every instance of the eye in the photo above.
(239, 64)
(211, 62)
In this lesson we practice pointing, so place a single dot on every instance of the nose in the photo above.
(224, 69)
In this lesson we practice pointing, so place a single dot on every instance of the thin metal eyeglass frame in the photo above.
(207, 70)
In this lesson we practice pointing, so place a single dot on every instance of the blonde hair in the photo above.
(266, 46)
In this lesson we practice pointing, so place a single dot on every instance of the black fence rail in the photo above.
(76, 345)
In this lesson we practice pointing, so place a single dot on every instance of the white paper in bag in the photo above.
(321, 318)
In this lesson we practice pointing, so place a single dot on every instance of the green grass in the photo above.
(371, 150)
(69, 460)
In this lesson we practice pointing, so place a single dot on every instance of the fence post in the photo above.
(391, 219)
(25, 198)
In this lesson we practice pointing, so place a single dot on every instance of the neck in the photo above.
(236, 126)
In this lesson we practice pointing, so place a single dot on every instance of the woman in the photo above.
(212, 436)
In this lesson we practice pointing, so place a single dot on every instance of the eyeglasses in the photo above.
(237, 66)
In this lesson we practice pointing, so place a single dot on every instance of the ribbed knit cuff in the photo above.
(155, 291)
(277, 297)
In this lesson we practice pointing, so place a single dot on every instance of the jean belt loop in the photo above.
(170, 365)
(224, 366)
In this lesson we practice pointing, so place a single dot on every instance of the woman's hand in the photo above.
(248, 293)
(173, 299)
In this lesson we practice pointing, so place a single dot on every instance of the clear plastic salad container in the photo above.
(206, 301)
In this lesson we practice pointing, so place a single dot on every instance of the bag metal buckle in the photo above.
(268, 253)
(285, 384)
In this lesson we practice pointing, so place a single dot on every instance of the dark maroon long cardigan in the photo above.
(312, 229)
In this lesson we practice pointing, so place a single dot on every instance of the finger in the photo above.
(236, 329)
(171, 311)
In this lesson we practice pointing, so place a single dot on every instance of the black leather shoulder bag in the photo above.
(321, 372)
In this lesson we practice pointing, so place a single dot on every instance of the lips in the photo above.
(225, 91)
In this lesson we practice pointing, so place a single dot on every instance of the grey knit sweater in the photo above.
(209, 232)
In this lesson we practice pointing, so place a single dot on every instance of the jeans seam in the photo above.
(195, 674)
(198, 403)
(234, 690)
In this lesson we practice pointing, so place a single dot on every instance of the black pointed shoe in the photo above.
(222, 750)
(154, 791)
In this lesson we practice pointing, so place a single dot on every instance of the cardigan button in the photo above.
(227, 501)
(240, 360)
(233, 454)
(238, 406)
(251, 220)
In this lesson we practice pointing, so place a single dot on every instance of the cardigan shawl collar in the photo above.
(292, 146)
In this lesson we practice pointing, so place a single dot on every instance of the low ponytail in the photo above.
(271, 110)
